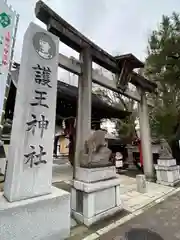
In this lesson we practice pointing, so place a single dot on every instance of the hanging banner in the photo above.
(7, 24)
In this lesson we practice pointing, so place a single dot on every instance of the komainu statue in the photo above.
(96, 153)
(165, 150)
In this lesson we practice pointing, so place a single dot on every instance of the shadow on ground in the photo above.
(131, 172)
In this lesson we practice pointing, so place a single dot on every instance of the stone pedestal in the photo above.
(96, 195)
(46, 217)
(141, 183)
(167, 172)
(90, 175)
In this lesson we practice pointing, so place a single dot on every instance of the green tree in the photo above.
(163, 66)
(124, 128)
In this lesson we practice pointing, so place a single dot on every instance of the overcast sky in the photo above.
(118, 26)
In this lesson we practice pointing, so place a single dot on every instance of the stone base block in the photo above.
(167, 175)
(166, 168)
(171, 184)
(166, 162)
(95, 174)
(41, 218)
(91, 202)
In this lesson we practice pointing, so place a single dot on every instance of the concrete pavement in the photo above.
(162, 219)
(139, 209)
(134, 203)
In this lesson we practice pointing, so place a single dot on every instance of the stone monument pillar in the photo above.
(35, 207)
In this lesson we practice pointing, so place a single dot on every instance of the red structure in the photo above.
(140, 152)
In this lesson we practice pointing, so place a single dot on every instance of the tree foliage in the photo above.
(124, 128)
(163, 66)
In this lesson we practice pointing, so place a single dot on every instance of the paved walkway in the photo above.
(131, 199)
(163, 219)
(133, 203)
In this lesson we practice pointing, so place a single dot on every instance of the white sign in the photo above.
(7, 24)
(30, 156)
(119, 163)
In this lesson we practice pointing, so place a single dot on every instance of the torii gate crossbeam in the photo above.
(74, 66)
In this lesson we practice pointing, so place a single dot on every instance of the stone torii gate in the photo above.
(121, 66)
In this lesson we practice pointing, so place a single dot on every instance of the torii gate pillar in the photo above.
(84, 104)
(146, 138)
